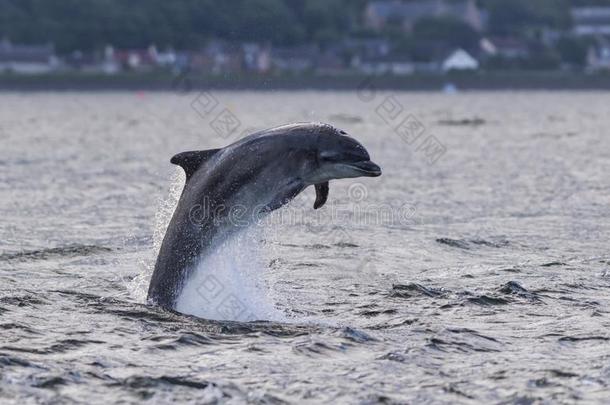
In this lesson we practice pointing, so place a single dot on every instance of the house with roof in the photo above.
(27, 59)
(379, 14)
(591, 21)
(460, 60)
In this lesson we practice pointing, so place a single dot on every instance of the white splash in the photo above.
(138, 286)
(167, 207)
(229, 282)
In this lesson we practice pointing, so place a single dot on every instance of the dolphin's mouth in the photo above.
(365, 168)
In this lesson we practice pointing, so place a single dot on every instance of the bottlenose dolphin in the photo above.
(249, 178)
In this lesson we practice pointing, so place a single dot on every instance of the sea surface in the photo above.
(476, 269)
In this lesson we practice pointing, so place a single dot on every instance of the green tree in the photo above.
(573, 51)
(448, 30)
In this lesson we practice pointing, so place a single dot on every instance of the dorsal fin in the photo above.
(321, 195)
(191, 161)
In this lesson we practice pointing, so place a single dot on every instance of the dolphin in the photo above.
(257, 174)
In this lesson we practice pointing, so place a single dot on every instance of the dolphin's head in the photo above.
(339, 156)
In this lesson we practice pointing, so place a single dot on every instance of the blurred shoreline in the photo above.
(538, 80)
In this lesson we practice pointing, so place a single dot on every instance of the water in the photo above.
(486, 279)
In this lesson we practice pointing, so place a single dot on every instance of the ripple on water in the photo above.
(74, 250)
(462, 340)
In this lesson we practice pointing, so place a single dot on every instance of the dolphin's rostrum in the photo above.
(255, 175)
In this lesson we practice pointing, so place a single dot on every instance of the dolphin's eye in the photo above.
(329, 155)
(342, 132)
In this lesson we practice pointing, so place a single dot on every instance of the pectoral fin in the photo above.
(321, 194)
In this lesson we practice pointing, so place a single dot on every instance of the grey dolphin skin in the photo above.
(251, 177)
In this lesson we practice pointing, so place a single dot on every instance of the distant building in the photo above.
(389, 64)
(296, 59)
(592, 21)
(460, 60)
(109, 65)
(509, 48)
(27, 59)
(218, 57)
(598, 57)
(104, 62)
(257, 57)
(136, 59)
(164, 58)
(378, 14)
